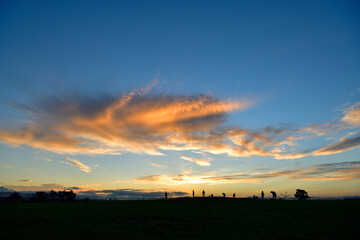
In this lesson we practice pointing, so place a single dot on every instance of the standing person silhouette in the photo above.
(203, 192)
(165, 195)
(262, 195)
(234, 195)
(224, 195)
(193, 193)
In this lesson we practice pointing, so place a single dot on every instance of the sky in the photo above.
(118, 98)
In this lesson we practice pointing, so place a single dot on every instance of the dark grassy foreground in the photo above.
(182, 219)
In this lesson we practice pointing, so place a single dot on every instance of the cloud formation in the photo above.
(341, 146)
(352, 115)
(26, 180)
(157, 165)
(128, 194)
(322, 172)
(199, 161)
(78, 164)
(141, 123)
(5, 166)
(42, 187)
(3, 189)
(107, 125)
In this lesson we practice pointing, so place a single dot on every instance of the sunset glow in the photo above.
(236, 98)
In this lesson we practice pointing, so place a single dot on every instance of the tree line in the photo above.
(41, 196)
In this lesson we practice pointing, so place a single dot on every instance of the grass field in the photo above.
(182, 219)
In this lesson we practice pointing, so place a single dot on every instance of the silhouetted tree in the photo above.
(66, 196)
(61, 196)
(39, 197)
(53, 195)
(13, 198)
(284, 196)
(70, 196)
(301, 194)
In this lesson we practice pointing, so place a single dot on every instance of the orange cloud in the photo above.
(198, 161)
(157, 165)
(78, 164)
(26, 180)
(133, 122)
(352, 115)
(140, 123)
(322, 172)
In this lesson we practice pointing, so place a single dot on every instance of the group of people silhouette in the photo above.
(274, 196)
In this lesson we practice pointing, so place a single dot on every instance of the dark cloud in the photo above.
(127, 194)
(343, 145)
(4, 189)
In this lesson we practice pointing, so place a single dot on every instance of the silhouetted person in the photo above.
(255, 197)
(234, 195)
(224, 195)
(203, 192)
(193, 193)
(262, 195)
(165, 195)
(212, 195)
(273, 194)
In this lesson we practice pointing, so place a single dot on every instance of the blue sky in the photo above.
(286, 65)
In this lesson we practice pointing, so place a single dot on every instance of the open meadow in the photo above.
(187, 218)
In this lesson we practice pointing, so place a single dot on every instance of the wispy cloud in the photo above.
(138, 122)
(322, 172)
(78, 164)
(199, 161)
(42, 187)
(128, 194)
(25, 180)
(352, 115)
(133, 122)
(157, 165)
(5, 166)
(341, 146)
